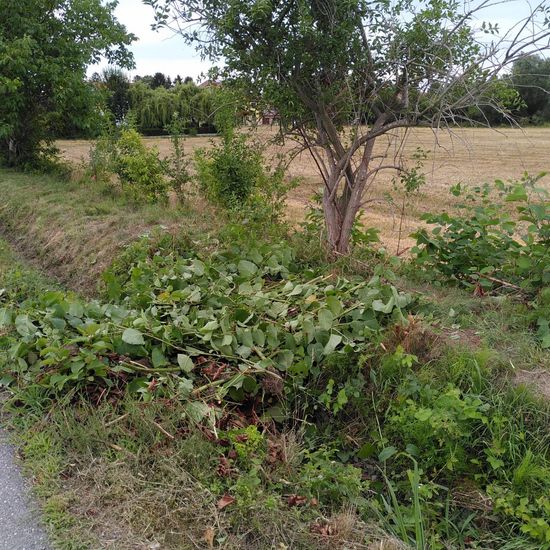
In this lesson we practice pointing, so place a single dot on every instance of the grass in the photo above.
(74, 229)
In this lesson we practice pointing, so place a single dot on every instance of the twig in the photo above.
(167, 434)
(501, 282)
(111, 422)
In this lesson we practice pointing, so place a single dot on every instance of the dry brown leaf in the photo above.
(208, 537)
(296, 500)
(226, 500)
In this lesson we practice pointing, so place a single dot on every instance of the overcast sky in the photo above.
(165, 52)
(156, 51)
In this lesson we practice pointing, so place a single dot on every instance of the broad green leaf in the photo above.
(133, 336)
(334, 305)
(76, 309)
(326, 319)
(332, 344)
(247, 268)
(386, 453)
(366, 451)
(24, 326)
(185, 362)
(379, 305)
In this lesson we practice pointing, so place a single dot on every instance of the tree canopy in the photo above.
(331, 65)
(531, 78)
(45, 48)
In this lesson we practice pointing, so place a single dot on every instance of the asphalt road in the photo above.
(19, 525)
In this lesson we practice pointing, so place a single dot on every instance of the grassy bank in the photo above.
(245, 396)
(74, 229)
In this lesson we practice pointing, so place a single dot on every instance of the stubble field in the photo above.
(468, 155)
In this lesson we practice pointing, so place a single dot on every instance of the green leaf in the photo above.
(334, 305)
(524, 262)
(24, 326)
(284, 359)
(326, 319)
(332, 344)
(76, 309)
(379, 305)
(386, 453)
(5, 317)
(423, 414)
(158, 358)
(185, 362)
(366, 451)
(185, 387)
(247, 268)
(197, 411)
(276, 413)
(133, 336)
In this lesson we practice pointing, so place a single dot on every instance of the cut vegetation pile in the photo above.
(241, 396)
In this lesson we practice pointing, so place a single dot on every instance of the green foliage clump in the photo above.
(229, 172)
(171, 313)
(140, 169)
(440, 420)
(486, 241)
(233, 175)
(327, 479)
(492, 246)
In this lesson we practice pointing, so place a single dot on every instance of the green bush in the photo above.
(229, 172)
(487, 243)
(100, 162)
(233, 175)
(140, 169)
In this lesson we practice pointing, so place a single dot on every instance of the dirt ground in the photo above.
(467, 155)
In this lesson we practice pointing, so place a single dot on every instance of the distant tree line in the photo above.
(152, 101)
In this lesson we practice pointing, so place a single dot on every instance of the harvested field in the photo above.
(468, 155)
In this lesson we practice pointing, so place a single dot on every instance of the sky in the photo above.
(156, 51)
(166, 52)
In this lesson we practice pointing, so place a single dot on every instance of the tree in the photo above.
(160, 80)
(327, 66)
(531, 78)
(45, 47)
(154, 109)
(117, 84)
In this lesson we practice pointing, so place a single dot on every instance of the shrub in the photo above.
(233, 175)
(228, 173)
(485, 244)
(100, 161)
(140, 169)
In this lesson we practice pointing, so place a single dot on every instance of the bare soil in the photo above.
(537, 380)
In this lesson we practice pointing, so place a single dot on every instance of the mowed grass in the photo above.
(469, 155)
(73, 230)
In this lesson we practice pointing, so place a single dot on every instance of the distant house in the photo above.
(210, 84)
(269, 116)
